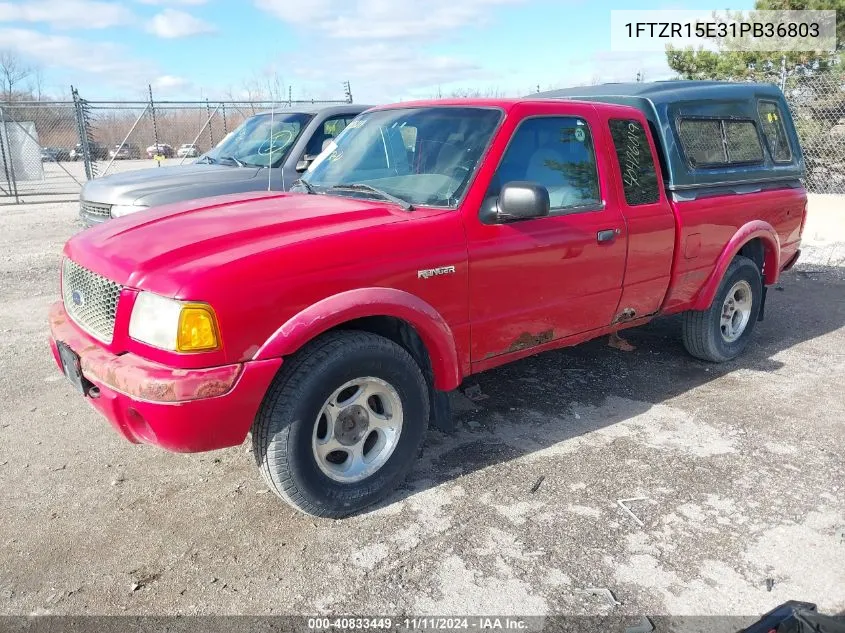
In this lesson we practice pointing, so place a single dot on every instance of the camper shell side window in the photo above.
(719, 142)
(771, 119)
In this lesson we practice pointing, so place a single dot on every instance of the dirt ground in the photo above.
(739, 469)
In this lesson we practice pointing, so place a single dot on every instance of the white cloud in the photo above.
(358, 41)
(172, 23)
(170, 83)
(99, 61)
(384, 19)
(67, 14)
(378, 72)
(185, 3)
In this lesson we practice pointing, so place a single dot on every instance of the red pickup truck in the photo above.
(430, 241)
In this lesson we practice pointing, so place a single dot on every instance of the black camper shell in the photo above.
(711, 134)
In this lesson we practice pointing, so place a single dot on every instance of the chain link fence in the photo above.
(50, 148)
(818, 107)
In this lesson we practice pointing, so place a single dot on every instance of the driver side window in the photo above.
(558, 153)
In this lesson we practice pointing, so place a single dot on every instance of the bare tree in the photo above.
(12, 72)
(36, 83)
(275, 87)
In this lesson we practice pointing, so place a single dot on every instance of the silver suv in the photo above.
(283, 142)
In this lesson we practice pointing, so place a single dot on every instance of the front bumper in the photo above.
(181, 410)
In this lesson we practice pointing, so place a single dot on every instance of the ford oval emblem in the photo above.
(78, 298)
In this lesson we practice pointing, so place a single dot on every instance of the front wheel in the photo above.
(342, 423)
(723, 331)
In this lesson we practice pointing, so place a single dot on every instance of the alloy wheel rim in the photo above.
(357, 429)
(736, 311)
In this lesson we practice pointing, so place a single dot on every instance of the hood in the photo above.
(132, 186)
(164, 248)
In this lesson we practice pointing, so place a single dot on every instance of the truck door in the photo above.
(541, 279)
(648, 215)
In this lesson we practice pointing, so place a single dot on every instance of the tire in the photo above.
(706, 336)
(290, 430)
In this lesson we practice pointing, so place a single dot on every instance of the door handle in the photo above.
(607, 235)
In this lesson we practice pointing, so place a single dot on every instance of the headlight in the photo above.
(119, 210)
(178, 326)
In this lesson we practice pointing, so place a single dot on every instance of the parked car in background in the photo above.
(95, 151)
(162, 149)
(54, 154)
(239, 163)
(188, 150)
(429, 242)
(125, 152)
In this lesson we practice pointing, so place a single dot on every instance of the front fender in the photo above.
(371, 302)
(747, 232)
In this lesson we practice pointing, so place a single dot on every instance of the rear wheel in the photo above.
(723, 331)
(342, 423)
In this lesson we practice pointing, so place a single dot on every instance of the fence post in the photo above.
(210, 131)
(155, 125)
(782, 73)
(83, 130)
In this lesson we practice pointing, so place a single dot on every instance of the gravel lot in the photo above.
(740, 466)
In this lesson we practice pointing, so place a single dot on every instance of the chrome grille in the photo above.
(90, 300)
(95, 208)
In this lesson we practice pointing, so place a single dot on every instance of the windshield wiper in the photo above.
(238, 162)
(361, 186)
(309, 188)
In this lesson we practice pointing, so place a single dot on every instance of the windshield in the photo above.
(252, 143)
(424, 156)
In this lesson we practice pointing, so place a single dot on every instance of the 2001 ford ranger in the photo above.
(428, 242)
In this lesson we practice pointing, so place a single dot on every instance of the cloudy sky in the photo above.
(387, 49)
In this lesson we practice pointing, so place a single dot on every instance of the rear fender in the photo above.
(341, 308)
(747, 232)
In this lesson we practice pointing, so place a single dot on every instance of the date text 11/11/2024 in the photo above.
(418, 623)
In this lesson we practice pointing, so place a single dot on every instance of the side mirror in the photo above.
(518, 200)
(305, 162)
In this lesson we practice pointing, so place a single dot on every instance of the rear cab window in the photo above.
(636, 162)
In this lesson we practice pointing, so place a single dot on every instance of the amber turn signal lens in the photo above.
(197, 329)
